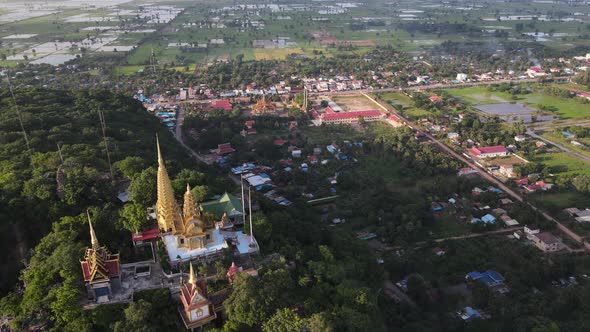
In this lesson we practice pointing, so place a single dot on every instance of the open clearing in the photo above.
(275, 54)
(355, 103)
(566, 108)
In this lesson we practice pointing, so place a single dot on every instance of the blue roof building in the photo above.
(488, 219)
(468, 314)
(490, 278)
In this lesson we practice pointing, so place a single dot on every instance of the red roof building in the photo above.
(196, 310)
(223, 149)
(221, 104)
(435, 99)
(279, 142)
(140, 237)
(489, 151)
(350, 117)
(100, 269)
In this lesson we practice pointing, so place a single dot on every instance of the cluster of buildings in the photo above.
(336, 83)
(191, 232)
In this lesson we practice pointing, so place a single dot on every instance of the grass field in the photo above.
(557, 138)
(563, 163)
(558, 201)
(274, 54)
(408, 110)
(566, 108)
(447, 225)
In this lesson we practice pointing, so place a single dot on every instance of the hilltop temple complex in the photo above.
(187, 233)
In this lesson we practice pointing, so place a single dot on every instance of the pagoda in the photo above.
(167, 210)
(232, 271)
(101, 270)
(186, 233)
(196, 310)
(264, 107)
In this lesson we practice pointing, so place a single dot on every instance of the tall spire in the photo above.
(191, 278)
(189, 208)
(93, 238)
(167, 210)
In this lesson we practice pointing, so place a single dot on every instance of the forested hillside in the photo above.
(30, 199)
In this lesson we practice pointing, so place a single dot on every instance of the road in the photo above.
(178, 136)
(561, 147)
(459, 237)
(575, 237)
(425, 87)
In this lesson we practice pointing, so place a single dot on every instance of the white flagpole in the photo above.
(250, 208)
(243, 202)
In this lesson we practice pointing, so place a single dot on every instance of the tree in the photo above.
(134, 217)
(243, 305)
(143, 187)
(185, 176)
(220, 270)
(320, 322)
(136, 316)
(262, 227)
(130, 166)
(582, 183)
(200, 193)
(284, 320)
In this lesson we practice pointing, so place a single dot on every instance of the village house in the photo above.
(535, 72)
(489, 152)
(507, 171)
(546, 242)
(579, 215)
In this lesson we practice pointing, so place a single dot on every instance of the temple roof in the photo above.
(194, 292)
(99, 264)
(228, 203)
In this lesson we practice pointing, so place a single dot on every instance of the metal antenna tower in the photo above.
(104, 137)
(18, 115)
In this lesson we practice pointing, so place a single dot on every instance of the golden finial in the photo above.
(93, 239)
(160, 159)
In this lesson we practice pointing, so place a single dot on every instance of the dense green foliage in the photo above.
(30, 197)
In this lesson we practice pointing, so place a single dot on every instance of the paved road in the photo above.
(561, 147)
(425, 87)
(575, 237)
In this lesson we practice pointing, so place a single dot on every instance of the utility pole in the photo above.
(104, 137)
